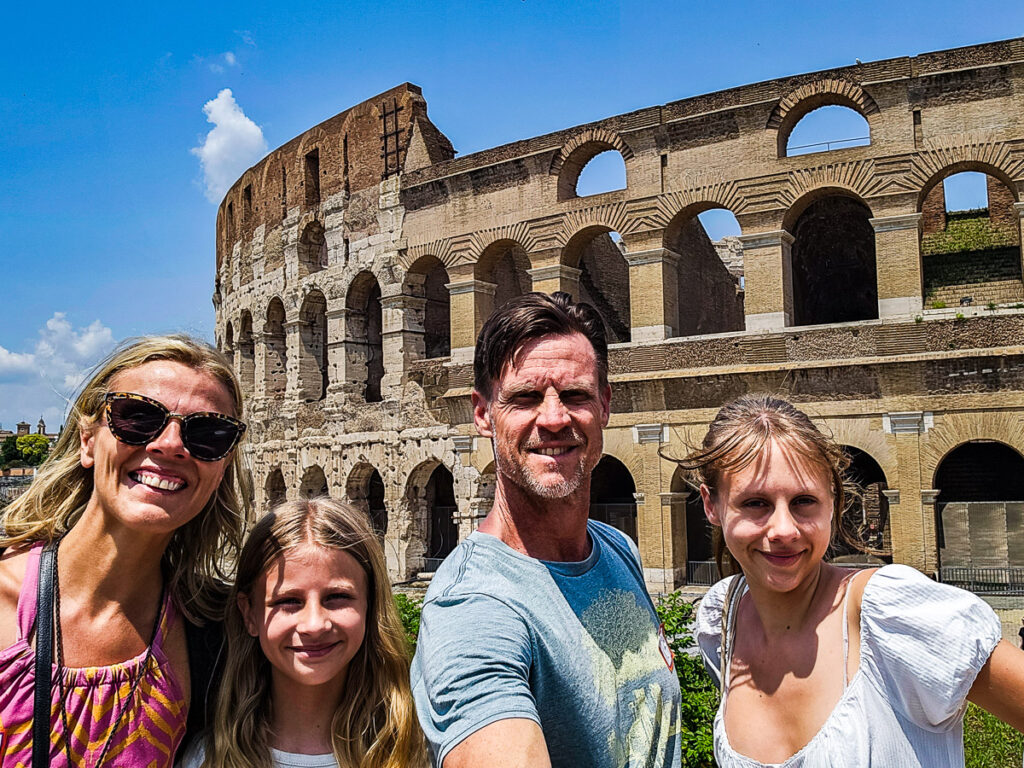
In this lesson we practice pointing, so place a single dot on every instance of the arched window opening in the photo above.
(506, 265)
(833, 257)
(444, 528)
(364, 353)
(979, 515)
(428, 280)
(312, 249)
(246, 357)
(228, 347)
(274, 489)
(313, 377)
(867, 520)
(826, 129)
(314, 483)
(970, 242)
(700, 556)
(612, 496)
(605, 172)
(365, 490)
(276, 373)
(599, 254)
(709, 273)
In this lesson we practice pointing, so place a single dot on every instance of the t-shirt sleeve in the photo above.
(709, 628)
(472, 668)
(923, 643)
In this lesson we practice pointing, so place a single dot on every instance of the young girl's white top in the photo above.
(196, 754)
(922, 645)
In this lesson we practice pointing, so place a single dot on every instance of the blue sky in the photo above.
(106, 228)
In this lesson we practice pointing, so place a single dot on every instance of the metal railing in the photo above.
(828, 145)
(984, 580)
(431, 564)
(702, 573)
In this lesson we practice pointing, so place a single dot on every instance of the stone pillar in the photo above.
(472, 303)
(293, 345)
(335, 350)
(913, 533)
(768, 280)
(558, 277)
(673, 504)
(653, 294)
(653, 520)
(393, 333)
(259, 376)
(1019, 207)
(931, 541)
(898, 264)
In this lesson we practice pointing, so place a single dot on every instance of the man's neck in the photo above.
(545, 529)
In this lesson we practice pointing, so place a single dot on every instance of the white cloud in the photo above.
(230, 60)
(40, 382)
(233, 144)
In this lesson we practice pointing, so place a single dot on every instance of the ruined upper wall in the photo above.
(353, 151)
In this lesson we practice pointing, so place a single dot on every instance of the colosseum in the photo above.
(356, 264)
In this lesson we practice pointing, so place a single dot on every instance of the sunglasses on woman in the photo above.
(136, 420)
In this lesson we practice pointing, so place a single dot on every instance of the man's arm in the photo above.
(514, 743)
(999, 687)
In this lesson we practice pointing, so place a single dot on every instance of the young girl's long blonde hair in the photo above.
(374, 725)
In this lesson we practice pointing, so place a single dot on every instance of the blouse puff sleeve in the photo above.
(923, 644)
(709, 627)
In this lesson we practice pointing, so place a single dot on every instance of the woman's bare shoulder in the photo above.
(13, 563)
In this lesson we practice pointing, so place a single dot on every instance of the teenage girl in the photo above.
(317, 670)
(819, 666)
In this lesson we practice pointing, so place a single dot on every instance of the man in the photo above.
(539, 645)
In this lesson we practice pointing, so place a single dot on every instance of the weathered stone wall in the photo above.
(373, 202)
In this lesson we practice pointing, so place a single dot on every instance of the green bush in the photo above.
(938, 305)
(989, 742)
(409, 612)
(968, 233)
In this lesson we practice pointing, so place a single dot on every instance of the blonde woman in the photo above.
(317, 670)
(818, 666)
(125, 527)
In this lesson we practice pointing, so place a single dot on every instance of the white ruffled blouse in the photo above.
(922, 645)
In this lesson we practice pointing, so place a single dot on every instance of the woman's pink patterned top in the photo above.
(147, 735)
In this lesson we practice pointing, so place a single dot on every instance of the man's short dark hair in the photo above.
(533, 316)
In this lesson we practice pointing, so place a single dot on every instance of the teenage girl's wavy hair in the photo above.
(194, 559)
(374, 725)
(741, 432)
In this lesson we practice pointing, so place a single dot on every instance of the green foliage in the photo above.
(959, 316)
(991, 306)
(33, 448)
(409, 612)
(938, 305)
(989, 742)
(968, 231)
(918, 319)
(700, 696)
(9, 450)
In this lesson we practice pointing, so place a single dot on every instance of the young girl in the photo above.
(317, 670)
(818, 666)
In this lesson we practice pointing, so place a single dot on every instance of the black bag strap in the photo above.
(44, 658)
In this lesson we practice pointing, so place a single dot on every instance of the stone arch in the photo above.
(980, 166)
(314, 482)
(612, 495)
(835, 278)
(429, 543)
(810, 96)
(274, 488)
(868, 517)
(227, 345)
(426, 281)
(504, 264)
(979, 510)
(708, 293)
(579, 151)
(604, 277)
(365, 491)
(689, 518)
(312, 248)
(245, 353)
(275, 373)
(364, 340)
(313, 367)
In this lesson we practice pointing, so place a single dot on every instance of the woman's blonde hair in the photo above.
(741, 431)
(198, 551)
(374, 725)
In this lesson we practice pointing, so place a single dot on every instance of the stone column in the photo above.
(931, 541)
(673, 504)
(293, 345)
(653, 294)
(335, 350)
(558, 277)
(472, 303)
(907, 519)
(898, 264)
(396, 312)
(259, 375)
(768, 280)
(1019, 207)
(653, 520)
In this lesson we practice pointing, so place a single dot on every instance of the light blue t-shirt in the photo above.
(575, 647)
